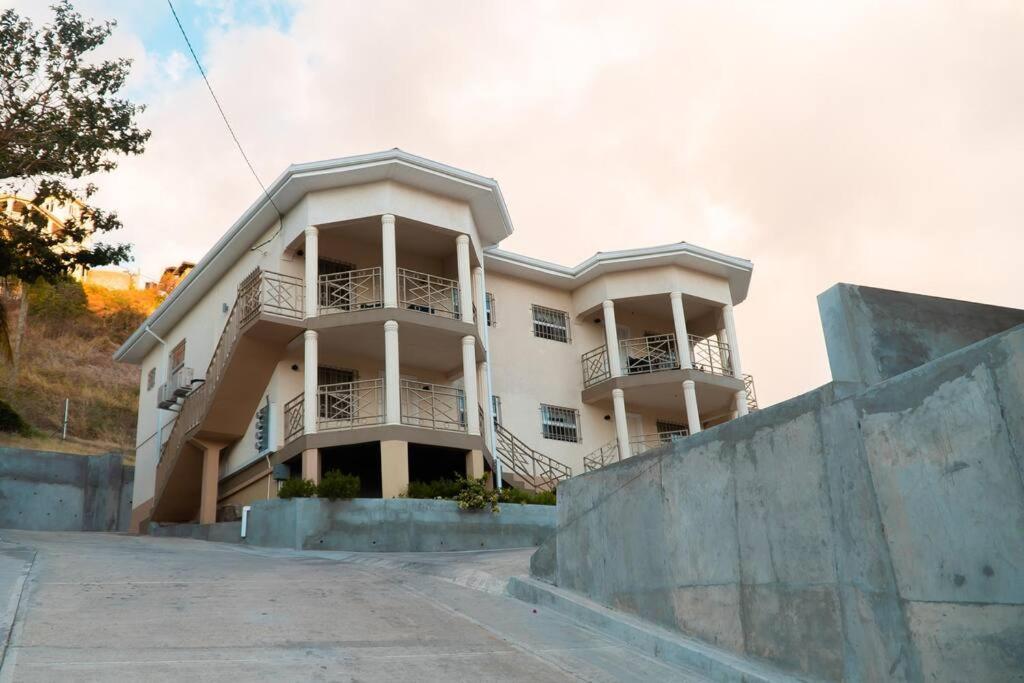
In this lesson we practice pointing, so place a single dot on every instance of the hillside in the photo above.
(66, 353)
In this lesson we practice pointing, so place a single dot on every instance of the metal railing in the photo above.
(638, 444)
(536, 470)
(644, 355)
(294, 418)
(595, 366)
(434, 406)
(266, 292)
(348, 405)
(748, 386)
(353, 290)
(605, 455)
(428, 293)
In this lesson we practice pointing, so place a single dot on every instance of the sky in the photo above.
(874, 143)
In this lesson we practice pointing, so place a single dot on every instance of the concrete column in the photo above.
(480, 300)
(312, 273)
(394, 468)
(311, 465)
(392, 396)
(690, 400)
(465, 282)
(734, 353)
(469, 386)
(208, 490)
(389, 261)
(682, 338)
(474, 464)
(621, 428)
(611, 338)
(310, 365)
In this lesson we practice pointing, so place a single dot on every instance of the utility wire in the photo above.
(227, 123)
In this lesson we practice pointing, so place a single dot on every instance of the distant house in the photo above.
(171, 277)
(375, 327)
(55, 212)
(112, 278)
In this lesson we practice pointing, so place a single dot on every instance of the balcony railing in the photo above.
(595, 366)
(710, 355)
(266, 292)
(428, 293)
(434, 406)
(748, 386)
(641, 443)
(645, 355)
(294, 417)
(347, 405)
(354, 290)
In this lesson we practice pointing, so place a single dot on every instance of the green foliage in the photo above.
(440, 488)
(11, 422)
(512, 495)
(474, 495)
(61, 121)
(337, 485)
(297, 488)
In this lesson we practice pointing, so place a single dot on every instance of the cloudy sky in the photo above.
(880, 144)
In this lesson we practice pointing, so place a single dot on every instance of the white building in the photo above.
(365, 330)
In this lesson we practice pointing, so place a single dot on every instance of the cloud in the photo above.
(871, 143)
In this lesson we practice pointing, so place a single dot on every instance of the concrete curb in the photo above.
(662, 644)
(15, 566)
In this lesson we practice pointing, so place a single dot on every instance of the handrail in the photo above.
(537, 470)
(435, 406)
(639, 443)
(428, 293)
(347, 405)
(352, 290)
(748, 386)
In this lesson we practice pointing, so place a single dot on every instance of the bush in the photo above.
(297, 488)
(337, 485)
(11, 422)
(473, 495)
(511, 495)
(445, 489)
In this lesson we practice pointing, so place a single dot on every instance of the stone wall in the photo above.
(852, 533)
(394, 525)
(47, 491)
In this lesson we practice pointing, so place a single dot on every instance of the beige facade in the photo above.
(353, 334)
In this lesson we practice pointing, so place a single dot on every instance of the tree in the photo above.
(61, 122)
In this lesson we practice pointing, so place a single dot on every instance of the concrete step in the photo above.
(709, 661)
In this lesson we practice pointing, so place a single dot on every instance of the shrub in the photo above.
(11, 422)
(337, 485)
(441, 488)
(473, 495)
(512, 495)
(297, 488)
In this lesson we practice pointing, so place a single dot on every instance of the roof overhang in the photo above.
(482, 194)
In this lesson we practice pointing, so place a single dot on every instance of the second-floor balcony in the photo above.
(357, 290)
(657, 353)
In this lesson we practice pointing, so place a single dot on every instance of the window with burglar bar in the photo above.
(490, 310)
(176, 358)
(668, 430)
(496, 410)
(560, 424)
(549, 323)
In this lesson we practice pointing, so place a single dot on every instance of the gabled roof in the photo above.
(482, 194)
(736, 270)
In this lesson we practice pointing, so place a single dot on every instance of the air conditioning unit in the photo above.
(178, 386)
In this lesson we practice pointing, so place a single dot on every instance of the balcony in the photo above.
(354, 290)
(659, 353)
(427, 293)
(434, 406)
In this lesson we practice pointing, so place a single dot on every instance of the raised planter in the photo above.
(394, 525)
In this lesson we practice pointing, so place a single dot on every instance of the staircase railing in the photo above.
(260, 290)
(748, 386)
(538, 470)
(638, 444)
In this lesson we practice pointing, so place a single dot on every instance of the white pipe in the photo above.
(490, 386)
(159, 414)
(64, 432)
(245, 518)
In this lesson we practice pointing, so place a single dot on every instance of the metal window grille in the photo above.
(491, 311)
(549, 323)
(496, 410)
(151, 379)
(176, 358)
(560, 424)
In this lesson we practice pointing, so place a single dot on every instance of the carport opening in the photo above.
(362, 460)
(430, 463)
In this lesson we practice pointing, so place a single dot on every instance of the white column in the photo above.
(734, 356)
(480, 299)
(611, 338)
(469, 384)
(312, 281)
(465, 283)
(392, 397)
(389, 261)
(690, 400)
(310, 364)
(682, 338)
(621, 428)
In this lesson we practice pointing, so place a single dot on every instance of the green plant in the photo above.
(11, 422)
(337, 485)
(297, 488)
(513, 495)
(474, 495)
(439, 488)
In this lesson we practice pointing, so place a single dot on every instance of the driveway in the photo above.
(116, 607)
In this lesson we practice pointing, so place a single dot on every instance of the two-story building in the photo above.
(360, 317)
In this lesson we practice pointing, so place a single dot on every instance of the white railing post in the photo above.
(312, 281)
(389, 261)
(690, 401)
(682, 338)
(734, 357)
(310, 366)
(611, 338)
(392, 398)
(469, 386)
(621, 429)
(465, 284)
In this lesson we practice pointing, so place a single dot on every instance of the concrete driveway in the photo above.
(111, 607)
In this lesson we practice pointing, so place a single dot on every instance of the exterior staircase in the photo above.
(219, 407)
(526, 468)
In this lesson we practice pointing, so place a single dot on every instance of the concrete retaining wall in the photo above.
(47, 491)
(394, 525)
(852, 533)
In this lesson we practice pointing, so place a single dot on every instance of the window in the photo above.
(550, 324)
(670, 430)
(151, 379)
(489, 308)
(560, 424)
(496, 410)
(177, 357)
